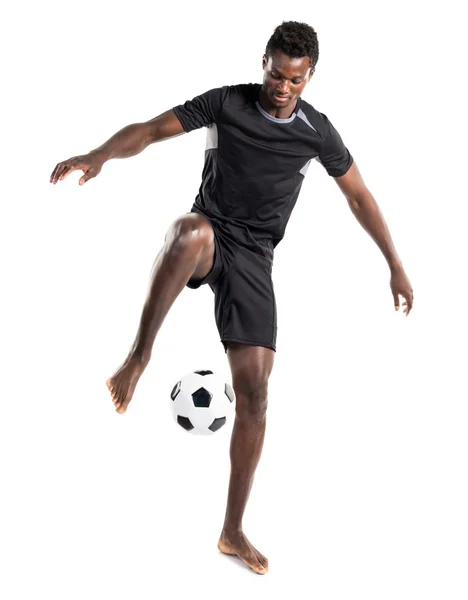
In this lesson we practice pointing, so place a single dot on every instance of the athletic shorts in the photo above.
(245, 306)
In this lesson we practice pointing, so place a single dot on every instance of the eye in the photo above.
(297, 82)
(275, 76)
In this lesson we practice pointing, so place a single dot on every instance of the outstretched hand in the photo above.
(90, 164)
(401, 286)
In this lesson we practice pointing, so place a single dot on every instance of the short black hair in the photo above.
(295, 40)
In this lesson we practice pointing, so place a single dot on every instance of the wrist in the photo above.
(101, 154)
(395, 265)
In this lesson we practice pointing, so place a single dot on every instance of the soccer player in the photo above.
(261, 139)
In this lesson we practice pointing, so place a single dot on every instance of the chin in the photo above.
(278, 103)
(274, 101)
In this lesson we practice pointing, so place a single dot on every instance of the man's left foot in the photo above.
(237, 544)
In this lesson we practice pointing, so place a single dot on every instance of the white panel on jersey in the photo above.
(301, 115)
(305, 168)
(212, 137)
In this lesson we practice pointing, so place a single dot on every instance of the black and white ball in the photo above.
(202, 402)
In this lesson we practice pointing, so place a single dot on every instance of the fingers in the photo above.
(57, 172)
(408, 303)
(396, 301)
(63, 169)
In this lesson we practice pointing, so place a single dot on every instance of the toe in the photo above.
(122, 405)
(113, 390)
(118, 393)
(260, 569)
(262, 560)
(255, 563)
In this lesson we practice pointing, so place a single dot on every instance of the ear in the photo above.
(312, 71)
(264, 61)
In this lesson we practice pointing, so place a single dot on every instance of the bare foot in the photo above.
(237, 544)
(122, 384)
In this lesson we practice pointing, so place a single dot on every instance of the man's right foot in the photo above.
(237, 544)
(122, 384)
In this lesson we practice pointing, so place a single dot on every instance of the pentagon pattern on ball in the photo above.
(175, 390)
(217, 424)
(184, 422)
(229, 392)
(202, 403)
(201, 398)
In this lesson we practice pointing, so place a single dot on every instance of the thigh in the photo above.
(245, 305)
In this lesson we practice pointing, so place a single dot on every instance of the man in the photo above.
(261, 139)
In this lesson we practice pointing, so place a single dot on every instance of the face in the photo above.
(284, 78)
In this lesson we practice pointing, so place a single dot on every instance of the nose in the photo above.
(283, 88)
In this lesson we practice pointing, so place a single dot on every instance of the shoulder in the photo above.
(318, 120)
(241, 93)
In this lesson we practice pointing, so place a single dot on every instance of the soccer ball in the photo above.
(202, 402)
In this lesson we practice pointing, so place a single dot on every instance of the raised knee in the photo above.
(252, 400)
(190, 231)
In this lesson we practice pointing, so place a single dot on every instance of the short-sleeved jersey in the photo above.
(255, 164)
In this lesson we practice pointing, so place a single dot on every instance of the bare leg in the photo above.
(188, 251)
(251, 367)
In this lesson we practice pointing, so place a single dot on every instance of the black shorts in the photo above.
(245, 307)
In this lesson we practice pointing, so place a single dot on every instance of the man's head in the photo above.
(289, 62)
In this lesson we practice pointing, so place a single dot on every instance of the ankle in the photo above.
(232, 530)
(140, 356)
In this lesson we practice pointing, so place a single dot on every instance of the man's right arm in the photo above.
(133, 139)
(129, 141)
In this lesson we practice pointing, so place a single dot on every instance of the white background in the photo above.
(361, 490)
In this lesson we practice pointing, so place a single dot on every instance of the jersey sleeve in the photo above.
(201, 111)
(334, 155)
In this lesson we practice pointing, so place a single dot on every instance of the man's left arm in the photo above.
(367, 212)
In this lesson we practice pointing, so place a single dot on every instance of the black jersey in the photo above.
(255, 163)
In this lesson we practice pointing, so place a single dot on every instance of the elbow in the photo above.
(360, 200)
(354, 204)
(150, 133)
